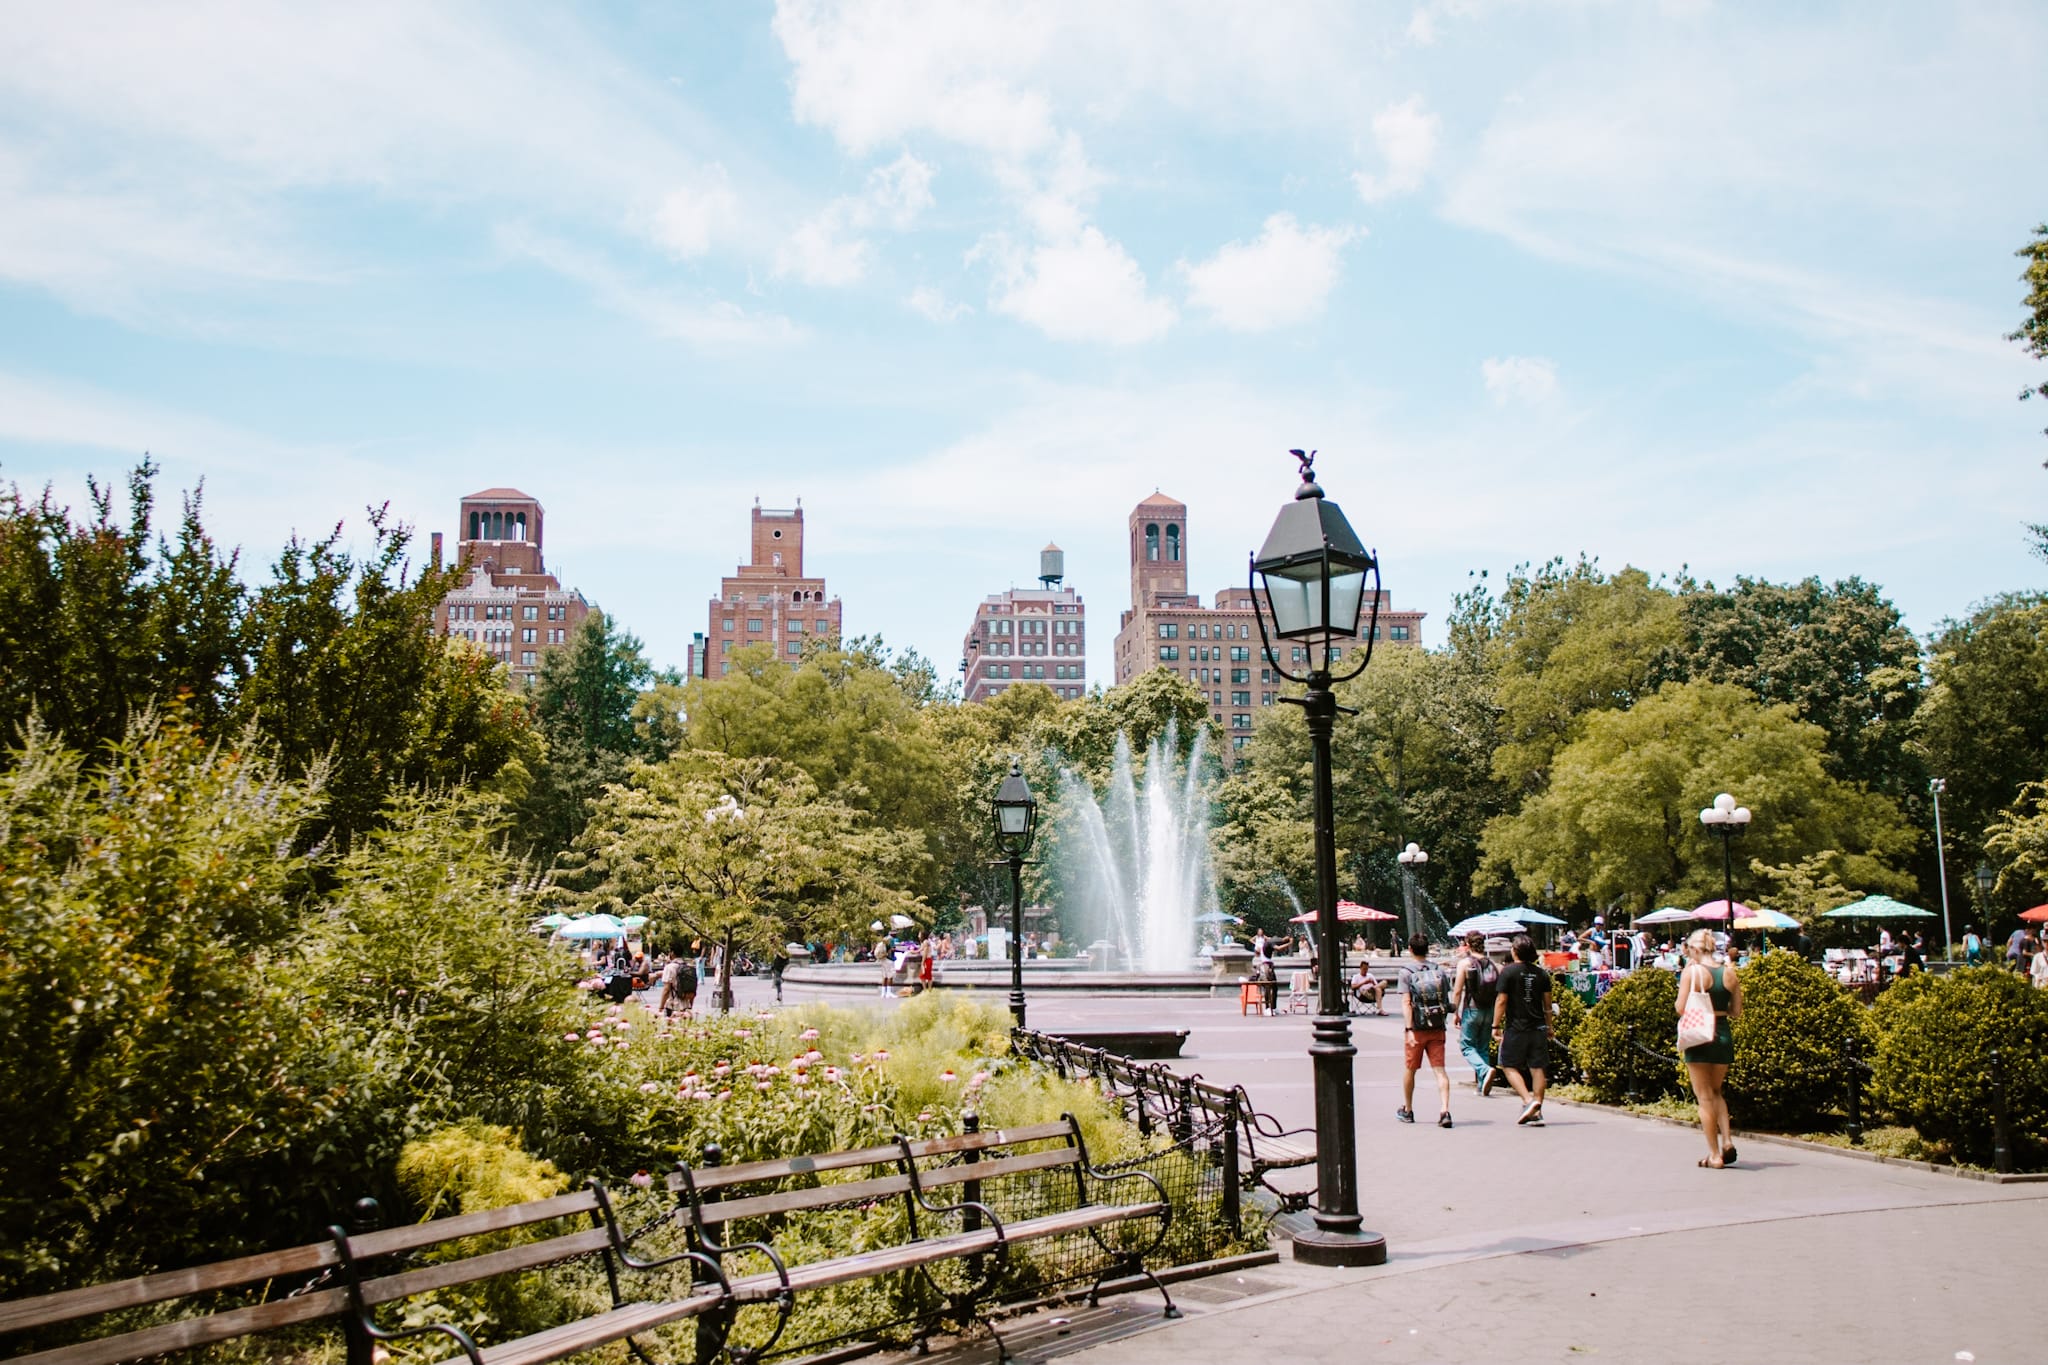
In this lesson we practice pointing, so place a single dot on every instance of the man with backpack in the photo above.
(1472, 999)
(1425, 1011)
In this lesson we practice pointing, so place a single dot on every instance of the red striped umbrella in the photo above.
(1348, 912)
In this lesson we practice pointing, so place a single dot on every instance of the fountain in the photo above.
(1143, 870)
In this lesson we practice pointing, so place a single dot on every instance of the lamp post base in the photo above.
(1325, 1246)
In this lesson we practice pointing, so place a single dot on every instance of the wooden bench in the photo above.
(341, 1283)
(763, 1195)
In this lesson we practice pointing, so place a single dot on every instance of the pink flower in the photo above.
(947, 1076)
(640, 1180)
(572, 1037)
(620, 1041)
(808, 1034)
(925, 1117)
(814, 1056)
(624, 1023)
(649, 1087)
(764, 1086)
(741, 1033)
(881, 1054)
(832, 1073)
(803, 1078)
(703, 1094)
(857, 1058)
(977, 1080)
(722, 1069)
(597, 1038)
(725, 1094)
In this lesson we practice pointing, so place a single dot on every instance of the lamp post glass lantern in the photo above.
(1410, 858)
(1308, 583)
(1016, 822)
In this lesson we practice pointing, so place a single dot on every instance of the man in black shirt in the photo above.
(1521, 1027)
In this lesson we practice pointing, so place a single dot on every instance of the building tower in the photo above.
(1159, 549)
(507, 602)
(769, 600)
(1035, 635)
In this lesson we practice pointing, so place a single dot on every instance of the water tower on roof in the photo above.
(1052, 566)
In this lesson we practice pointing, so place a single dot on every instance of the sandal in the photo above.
(1727, 1156)
(1707, 1163)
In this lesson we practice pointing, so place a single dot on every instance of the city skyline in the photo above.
(1678, 285)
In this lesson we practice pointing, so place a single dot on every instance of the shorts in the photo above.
(1524, 1049)
(1417, 1043)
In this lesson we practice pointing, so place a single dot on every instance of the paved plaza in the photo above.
(1594, 1236)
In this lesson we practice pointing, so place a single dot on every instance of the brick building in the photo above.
(508, 604)
(1216, 648)
(1029, 635)
(768, 601)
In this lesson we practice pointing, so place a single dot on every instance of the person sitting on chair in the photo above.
(1364, 989)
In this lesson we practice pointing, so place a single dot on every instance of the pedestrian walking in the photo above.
(670, 972)
(1472, 995)
(2039, 974)
(1973, 947)
(1707, 1063)
(1425, 1011)
(1521, 1028)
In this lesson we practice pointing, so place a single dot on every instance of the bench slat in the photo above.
(474, 1268)
(990, 1137)
(1002, 1166)
(169, 1284)
(718, 1177)
(415, 1235)
(817, 1274)
(791, 1201)
(1079, 1220)
(178, 1336)
(585, 1333)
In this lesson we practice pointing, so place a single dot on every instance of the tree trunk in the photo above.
(725, 974)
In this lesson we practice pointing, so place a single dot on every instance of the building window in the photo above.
(528, 635)
(1238, 741)
(529, 614)
(1400, 632)
(824, 626)
(795, 647)
(1241, 720)
(728, 623)
(725, 646)
(1265, 698)
(1169, 653)
(1169, 630)
(1240, 654)
(1240, 699)
(753, 623)
(526, 658)
(796, 627)
(1152, 543)
(1173, 544)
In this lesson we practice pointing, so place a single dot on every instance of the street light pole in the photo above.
(1309, 579)
(1410, 858)
(1016, 821)
(1935, 787)
(1727, 819)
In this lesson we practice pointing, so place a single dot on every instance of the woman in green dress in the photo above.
(1708, 1063)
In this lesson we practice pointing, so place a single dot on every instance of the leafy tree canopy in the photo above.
(1984, 723)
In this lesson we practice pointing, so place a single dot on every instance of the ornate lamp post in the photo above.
(1410, 858)
(1016, 819)
(1726, 819)
(1308, 584)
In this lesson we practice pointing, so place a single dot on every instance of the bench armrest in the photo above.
(368, 1324)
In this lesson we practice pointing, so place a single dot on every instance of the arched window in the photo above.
(474, 532)
(1173, 543)
(521, 532)
(1152, 543)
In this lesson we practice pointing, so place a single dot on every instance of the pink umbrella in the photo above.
(1348, 912)
(1719, 910)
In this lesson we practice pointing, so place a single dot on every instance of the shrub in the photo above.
(1933, 1065)
(1564, 1028)
(1646, 1001)
(1795, 1027)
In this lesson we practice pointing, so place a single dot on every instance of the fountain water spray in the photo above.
(1144, 872)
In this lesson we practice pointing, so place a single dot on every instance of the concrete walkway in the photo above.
(1593, 1236)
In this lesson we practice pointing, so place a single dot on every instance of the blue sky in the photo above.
(1683, 285)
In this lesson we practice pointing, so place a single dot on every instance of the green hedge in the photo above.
(1564, 1027)
(1794, 1031)
(1933, 1063)
(1647, 1001)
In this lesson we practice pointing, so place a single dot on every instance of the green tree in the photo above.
(1619, 826)
(742, 851)
(586, 702)
(2017, 841)
(1570, 641)
(1984, 724)
(2033, 334)
(1263, 851)
(1838, 655)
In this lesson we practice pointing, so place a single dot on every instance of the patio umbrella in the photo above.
(1492, 925)
(902, 922)
(632, 921)
(1348, 912)
(1879, 907)
(2038, 915)
(1670, 914)
(591, 928)
(1719, 910)
(1766, 919)
(554, 921)
(1522, 914)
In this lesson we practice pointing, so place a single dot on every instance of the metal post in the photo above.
(1727, 833)
(1935, 787)
(1337, 1237)
(1855, 1096)
(1017, 939)
(1407, 899)
(2001, 1130)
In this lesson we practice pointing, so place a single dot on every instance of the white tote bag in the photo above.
(1696, 1025)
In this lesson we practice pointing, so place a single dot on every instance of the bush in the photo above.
(1564, 1028)
(1933, 1065)
(1646, 1001)
(1795, 1027)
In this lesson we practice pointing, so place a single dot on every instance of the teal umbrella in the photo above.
(632, 921)
(1522, 914)
(554, 921)
(1879, 907)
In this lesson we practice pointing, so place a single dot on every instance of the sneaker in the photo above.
(1492, 1079)
(1537, 1122)
(1443, 1120)
(1405, 1115)
(1533, 1113)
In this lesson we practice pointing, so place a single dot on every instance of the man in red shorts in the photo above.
(1425, 1011)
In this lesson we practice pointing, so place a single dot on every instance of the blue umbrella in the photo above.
(1522, 914)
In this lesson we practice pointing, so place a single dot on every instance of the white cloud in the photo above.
(1421, 28)
(1084, 289)
(934, 306)
(1406, 136)
(826, 250)
(689, 222)
(703, 323)
(1282, 278)
(1519, 378)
